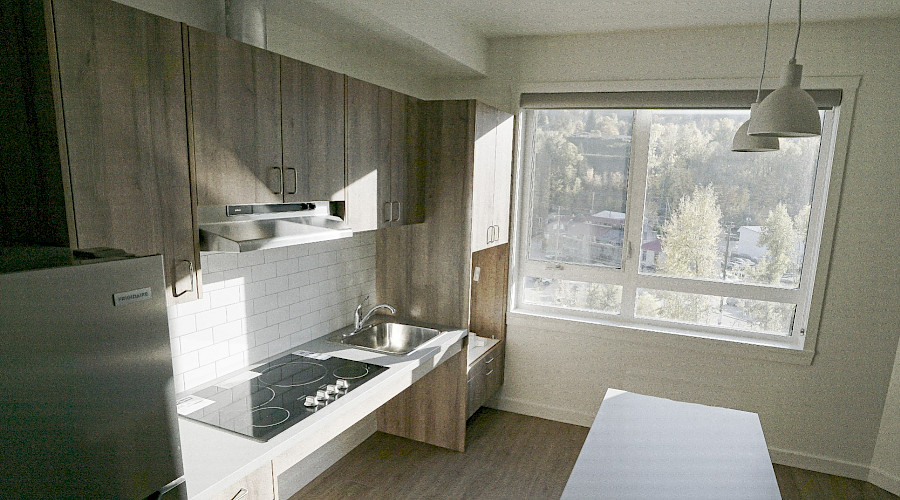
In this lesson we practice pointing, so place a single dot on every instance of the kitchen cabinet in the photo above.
(117, 110)
(258, 485)
(484, 378)
(385, 157)
(266, 128)
(236, 115)
(491, 177)
(312, 127)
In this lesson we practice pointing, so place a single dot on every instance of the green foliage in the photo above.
(778, 237)
(690, 240)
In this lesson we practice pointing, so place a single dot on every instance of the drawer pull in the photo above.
(489, 372)
(240, 494)
(489, 361)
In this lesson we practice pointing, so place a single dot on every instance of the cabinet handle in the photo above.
(191, 265)
(489, 372)
(388, 211)
(489, 361)
(398, 210)
(294, 191)
(489, 231)
(240, 494)
(280, 180)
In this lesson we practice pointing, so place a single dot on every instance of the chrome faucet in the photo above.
(358, 321)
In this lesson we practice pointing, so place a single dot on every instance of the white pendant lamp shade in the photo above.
(788, 111)
(746, 143)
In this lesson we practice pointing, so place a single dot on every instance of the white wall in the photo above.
(824, 416)
(262, 303)
(885, 470)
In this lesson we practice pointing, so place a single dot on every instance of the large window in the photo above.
(646, 217)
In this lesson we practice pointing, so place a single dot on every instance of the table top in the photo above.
(648, 447)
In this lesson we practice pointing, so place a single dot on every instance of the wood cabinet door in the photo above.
(502, 184)
(122, 90)
(485, 156)
(408, 189)
(236, 104)
(312, 123)
(368, 155)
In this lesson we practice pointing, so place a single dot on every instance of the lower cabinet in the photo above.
(258, 485)
(485, 376)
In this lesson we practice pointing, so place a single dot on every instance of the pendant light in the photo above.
(788, 111)
(743, 142)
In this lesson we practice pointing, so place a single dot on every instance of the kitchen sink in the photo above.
(388, 338)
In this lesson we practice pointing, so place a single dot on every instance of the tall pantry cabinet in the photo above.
(118, 115)
(426, 270)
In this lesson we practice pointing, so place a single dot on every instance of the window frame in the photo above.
(819, 242)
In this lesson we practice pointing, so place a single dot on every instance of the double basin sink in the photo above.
(386, 338)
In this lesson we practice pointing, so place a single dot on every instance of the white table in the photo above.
(645, 447)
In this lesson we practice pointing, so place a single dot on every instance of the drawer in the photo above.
(258, 485)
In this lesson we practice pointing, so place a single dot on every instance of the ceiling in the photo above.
(454, 34)
(504, 18)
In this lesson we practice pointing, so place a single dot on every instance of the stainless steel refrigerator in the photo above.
(86, 389)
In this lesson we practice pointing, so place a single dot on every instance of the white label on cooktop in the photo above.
(313, 355)
(238, 379)
(190, 404)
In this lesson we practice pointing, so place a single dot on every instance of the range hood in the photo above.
(244, 228)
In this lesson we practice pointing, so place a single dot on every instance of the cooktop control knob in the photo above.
(321, 395)
(342, 384)
(310, 401)
(331, 389)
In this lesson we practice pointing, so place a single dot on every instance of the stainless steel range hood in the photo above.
(244, 228)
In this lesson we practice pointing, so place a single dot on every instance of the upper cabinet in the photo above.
(492, 177)
(312, 127)
(236, 103)
(122, 96)
(385, 157)
(266, 128)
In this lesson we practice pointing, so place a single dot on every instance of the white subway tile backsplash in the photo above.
(228, 331)
(185, 362)
(224, 297)
(196, 340)
(199, 376)
(264, 271)
(275, 285)
(216, 262)
(193, 307)
(211, 318)
(287, 267)
(259, 304)
(213, 353)
(279, 315)
(275, 254)
(182, 325)
(247, 259)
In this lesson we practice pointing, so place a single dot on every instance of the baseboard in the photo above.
(541, 411)
(884, 480)
(819, 463)
(303, 472)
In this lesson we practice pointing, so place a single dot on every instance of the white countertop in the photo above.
(214, 458)
(647, 447)
(480, 346)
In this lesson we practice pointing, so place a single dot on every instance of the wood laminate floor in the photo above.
(509, 456)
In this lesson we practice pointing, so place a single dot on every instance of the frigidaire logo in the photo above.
(130, 296)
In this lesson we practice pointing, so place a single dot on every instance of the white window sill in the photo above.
(664, 338)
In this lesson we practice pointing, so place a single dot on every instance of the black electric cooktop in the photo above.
(268, 399)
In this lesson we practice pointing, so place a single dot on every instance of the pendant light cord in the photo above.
(765, 53)
(797, 38)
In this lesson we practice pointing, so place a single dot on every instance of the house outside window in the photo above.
(643, 216)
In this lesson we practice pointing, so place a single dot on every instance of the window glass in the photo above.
(711, 310)
(576, 295)
(580, 160)
(714, 214)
